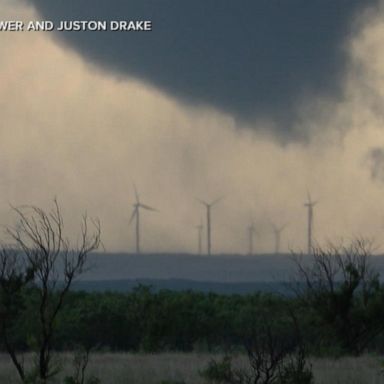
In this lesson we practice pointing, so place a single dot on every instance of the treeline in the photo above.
(148, 321)
(144, 320)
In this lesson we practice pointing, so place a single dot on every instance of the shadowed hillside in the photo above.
(217, 268)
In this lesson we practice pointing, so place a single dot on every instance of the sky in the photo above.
(258, 103)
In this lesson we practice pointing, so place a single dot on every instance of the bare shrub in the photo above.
(41, 255)
(275, 353)
(80, 364)
(342, 291)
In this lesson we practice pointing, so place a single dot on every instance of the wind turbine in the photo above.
(310, 204)
(277, 232)
(200, 237)
(208, 207)
(136, 215)
(251, 233)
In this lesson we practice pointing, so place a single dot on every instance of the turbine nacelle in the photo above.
(139, 205)
(278, 230)
(136, 216)
(212, 203)
(147, 207)
(208, 206)
(309, 202)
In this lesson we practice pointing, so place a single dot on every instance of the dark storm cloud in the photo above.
(253, 59)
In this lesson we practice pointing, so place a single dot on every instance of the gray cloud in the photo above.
(256, 60)
(375, 159)
(84, 135)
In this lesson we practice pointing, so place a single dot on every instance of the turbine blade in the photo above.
(214, 202)
(147, 207)
(309, 197)
(134, 213)
(136, 194)
(202, 202)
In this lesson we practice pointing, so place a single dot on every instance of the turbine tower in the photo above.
(136, 215)
(251, 233)
(208, 207)
(310, 204)
(277, 232)
(200, 238)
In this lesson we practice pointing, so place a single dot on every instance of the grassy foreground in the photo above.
(127, 368)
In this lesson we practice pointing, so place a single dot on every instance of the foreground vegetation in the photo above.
(337, 310)
(144, 321)
(127, 368)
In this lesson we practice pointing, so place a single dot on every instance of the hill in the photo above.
(218, 273)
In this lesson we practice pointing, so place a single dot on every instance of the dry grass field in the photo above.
(126, 368)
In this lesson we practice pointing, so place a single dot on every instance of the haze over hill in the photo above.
(217, 268)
